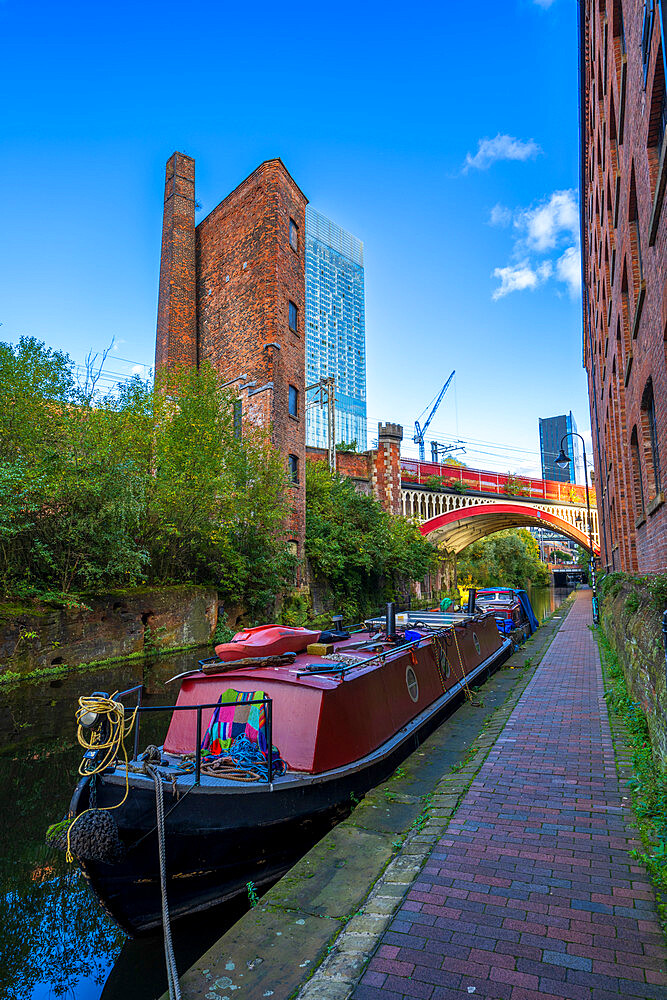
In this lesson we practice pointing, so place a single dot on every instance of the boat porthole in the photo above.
(412, 683)
(476, 642)
(444, 664)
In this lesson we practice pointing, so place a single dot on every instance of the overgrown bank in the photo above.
(631, 610)
(160, 488)
(648, 779)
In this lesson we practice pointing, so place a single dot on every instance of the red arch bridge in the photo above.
(458, 519)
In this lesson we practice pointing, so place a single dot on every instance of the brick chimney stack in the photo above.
(387, 467)
(176, 342)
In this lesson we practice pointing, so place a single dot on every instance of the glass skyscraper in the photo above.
(552, 431)
(335, 329)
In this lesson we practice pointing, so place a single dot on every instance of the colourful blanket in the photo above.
(232, 717)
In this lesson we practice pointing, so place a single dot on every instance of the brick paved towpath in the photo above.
(531, 892)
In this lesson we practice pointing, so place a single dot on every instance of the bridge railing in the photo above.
(498, 483)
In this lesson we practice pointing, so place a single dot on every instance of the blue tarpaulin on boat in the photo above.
(527, 607)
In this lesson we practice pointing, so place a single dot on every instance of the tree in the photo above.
(507, 558)
(363, 553)
(138, 485)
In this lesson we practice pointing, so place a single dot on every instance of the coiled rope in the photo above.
(92, 740)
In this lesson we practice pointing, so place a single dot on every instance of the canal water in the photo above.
(55, 940)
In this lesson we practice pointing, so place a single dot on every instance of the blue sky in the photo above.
(443, 135)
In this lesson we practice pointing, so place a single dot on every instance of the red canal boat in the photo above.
(340, 722)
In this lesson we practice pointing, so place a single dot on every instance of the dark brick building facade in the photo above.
(624, 250)
(232, 292)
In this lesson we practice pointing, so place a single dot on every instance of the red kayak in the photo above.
(265, 640)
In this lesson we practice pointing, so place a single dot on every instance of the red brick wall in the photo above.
(225, 289)
(247, 273)
(176, 341)
(386, 472)
(624, 332)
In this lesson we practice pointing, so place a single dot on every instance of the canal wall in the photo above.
(631, 618)
(134, 622)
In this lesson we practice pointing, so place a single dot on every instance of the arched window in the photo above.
(650, 435)
(638, 486)
(657, 120)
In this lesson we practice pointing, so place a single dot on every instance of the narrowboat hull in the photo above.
(221, 835)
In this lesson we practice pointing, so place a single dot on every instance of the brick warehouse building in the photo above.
(624, 248)
(232, 292)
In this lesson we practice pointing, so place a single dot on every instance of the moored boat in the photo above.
(511, 608)
(341, 722)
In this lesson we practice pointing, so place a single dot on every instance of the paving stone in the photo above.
(535, 858)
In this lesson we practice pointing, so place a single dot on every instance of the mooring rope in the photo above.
(170, 958)
(463, 673)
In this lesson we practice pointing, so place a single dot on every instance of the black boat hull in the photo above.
(217, 843)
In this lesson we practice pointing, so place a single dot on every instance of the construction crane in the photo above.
(420, 431)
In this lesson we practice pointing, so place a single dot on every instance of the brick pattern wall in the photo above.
(176, 341)
(357, 467)
(625, 269)
(386, 470)
(225, 289)
(247, 274)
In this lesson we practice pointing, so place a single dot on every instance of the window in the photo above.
(647, 32)
(293, 401)
(293, 467)
(293, 235)
(635, 239)
(637, 475)
(293, 317)
(657, 120)
(651, 435)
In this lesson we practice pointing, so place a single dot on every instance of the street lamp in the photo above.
(562, 462)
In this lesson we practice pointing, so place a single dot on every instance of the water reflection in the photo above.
(545, 600)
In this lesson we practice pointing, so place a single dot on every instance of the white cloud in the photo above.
(546, 223)
(515, 279)
(544, 4)
(552, 224)
(500, 215)
(503, 147)
(137, 369)
(568, 269)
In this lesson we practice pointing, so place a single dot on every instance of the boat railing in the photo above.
(140, 708)
(343, 668)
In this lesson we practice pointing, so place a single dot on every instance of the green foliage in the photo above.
(440, 483)
(612, 584)
(631, 604)
(649, 783)
(365, 554)
(510, 558)
(140, 485)
(350, 447)
(514, 487)
(657, 587)
(297, 610)
(223, 633)
(457, 485)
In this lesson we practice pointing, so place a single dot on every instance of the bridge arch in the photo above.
(467, 524)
